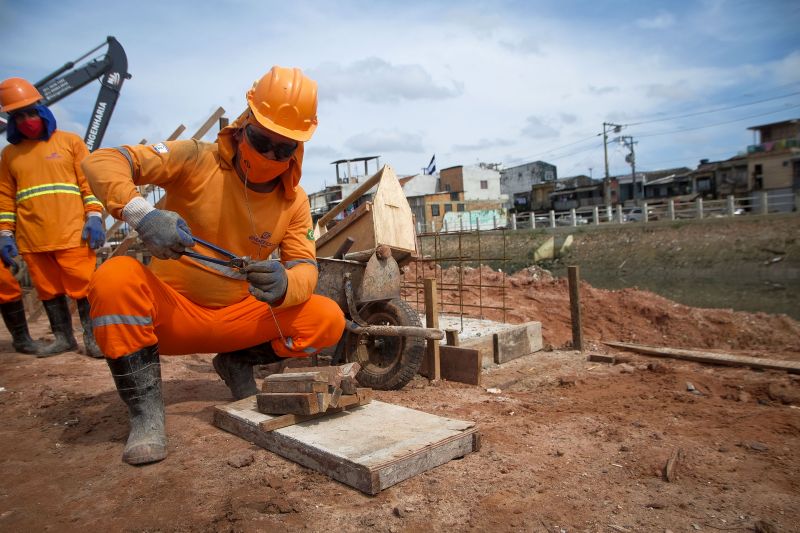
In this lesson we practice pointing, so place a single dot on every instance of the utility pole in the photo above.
(628, 141)
(607, 179)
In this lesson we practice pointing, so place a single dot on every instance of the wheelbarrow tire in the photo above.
(392, 361)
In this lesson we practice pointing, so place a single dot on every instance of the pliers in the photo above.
(232, 261)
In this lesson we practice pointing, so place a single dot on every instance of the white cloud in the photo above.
(381, 141)
(661, 21)
(537, 129)
(378, 81)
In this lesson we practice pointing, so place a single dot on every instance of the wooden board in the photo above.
(517, 341)
(386, 220)
(460, 364)
(370, 448)
(709, 357)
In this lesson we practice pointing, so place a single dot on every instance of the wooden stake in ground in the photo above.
(575, 306)
(432, 364)
(671, 467)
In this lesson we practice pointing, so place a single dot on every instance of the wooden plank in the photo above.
(294, 386)
(299, 376)
(370, 447)
(295, 403)
(344, 402)
(709, 357)
(517, 341)
(357, 193)
(461, 364)
(209, 123)
(394, 223)
(357, 226)
(431, 366)
(341, 376)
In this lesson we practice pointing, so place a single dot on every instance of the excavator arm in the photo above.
(111, 69)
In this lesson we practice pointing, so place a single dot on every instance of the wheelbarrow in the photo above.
(384, 334)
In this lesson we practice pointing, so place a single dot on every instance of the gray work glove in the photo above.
(268, 281)
(165, 234)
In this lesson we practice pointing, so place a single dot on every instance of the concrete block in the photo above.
(517, 341)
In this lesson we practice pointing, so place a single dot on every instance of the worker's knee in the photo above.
(114, 276)
(330, 317)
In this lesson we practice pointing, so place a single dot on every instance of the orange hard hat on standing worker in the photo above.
(16, 93)
(284, 100)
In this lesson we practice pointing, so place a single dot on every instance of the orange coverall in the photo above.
(10, 291)
(44, 200)
(188, 306)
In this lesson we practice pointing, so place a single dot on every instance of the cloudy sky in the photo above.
(495, 81)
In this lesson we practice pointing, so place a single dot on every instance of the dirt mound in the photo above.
(628, 315)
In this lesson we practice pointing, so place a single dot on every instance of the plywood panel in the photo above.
(394, 222)
(371, 447)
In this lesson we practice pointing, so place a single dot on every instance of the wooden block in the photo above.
(484, 344)
(335, 396)
(299, 376)
(602, 358)
(304, 403)
(323, 400)
(461, 364)
(517, 341)
(349, 385)
(294, 386)
(357, 447)
(452, 337)
(333, 374)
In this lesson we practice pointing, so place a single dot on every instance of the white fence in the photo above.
(759, 204)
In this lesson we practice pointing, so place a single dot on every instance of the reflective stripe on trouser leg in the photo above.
(10, 290)
(121, 296)
(62, 272)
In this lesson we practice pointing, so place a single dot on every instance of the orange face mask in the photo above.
(256, 167)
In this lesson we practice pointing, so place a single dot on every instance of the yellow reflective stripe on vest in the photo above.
(8, 216)
(50, 188)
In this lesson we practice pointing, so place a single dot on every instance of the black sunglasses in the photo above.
(264, 144)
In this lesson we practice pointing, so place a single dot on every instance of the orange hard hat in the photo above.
(16, 93)
(284, 100)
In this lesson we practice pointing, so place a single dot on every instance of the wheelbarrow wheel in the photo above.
(387, 363)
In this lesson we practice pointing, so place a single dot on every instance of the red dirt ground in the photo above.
(568, 445)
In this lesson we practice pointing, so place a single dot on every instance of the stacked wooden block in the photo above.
(312, 390)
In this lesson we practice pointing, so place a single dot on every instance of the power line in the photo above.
(712, 110)
(785, 108)
(655, 118)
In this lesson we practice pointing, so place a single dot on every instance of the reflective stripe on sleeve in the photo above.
(91, 200)
(8, 216)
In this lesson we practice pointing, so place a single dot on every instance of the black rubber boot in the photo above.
(17, 324)
(61, 324)
(236, 368)
(138, 380)
(92, 349)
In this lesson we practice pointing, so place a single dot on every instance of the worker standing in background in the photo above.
(14, 313)
(47, 210)
(241, 193)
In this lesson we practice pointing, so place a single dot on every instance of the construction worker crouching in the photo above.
(241, 194)
(48, 212)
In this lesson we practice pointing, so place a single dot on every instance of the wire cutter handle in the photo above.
(221, 251)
